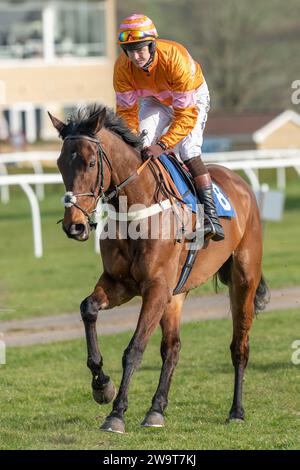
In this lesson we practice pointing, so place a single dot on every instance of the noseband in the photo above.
(70, 199)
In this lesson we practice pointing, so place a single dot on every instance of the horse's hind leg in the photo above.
(107, 294)
(170, 347)
(243, 284)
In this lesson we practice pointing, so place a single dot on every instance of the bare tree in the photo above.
(241, 72)
(247, 48)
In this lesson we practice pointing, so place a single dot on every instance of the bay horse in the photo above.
(98, 154)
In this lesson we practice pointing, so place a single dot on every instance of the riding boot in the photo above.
(212, 226)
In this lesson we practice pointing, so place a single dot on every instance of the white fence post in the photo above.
(281, 179)
(36, 219)
(24, 182)
(4, 189)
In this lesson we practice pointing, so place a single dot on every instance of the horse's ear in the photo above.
(96, 121)
(59, 125)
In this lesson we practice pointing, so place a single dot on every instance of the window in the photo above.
(20, 32)
(79, 30)
(66, 28)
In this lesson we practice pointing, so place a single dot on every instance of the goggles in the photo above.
(127, 36)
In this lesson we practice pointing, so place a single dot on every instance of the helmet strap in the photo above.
(152, 47)
(124, 49)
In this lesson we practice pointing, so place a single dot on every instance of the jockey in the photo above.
(174, 102)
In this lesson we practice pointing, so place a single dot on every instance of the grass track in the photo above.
(46, 401)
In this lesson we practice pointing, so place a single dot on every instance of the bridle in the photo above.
(70, 199)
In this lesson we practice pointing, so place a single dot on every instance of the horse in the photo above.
(100, 157)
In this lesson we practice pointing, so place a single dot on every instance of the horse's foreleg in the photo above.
(170, 347)
(107, 294)
(155, 299)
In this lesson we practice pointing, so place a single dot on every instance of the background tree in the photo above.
(248, 49)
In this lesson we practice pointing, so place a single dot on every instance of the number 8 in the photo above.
(221, 198)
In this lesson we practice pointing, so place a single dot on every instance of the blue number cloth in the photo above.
(223, 205)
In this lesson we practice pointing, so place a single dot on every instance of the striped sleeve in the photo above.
(182, 70)
(126, 96)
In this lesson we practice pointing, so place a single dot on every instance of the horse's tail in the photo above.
(262, 294)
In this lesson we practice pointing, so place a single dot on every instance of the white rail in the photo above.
(24, 181)
(249, 167)
(35, 158)
(249, 161)
(279, 159)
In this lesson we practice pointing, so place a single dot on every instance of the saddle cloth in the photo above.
(184, 185)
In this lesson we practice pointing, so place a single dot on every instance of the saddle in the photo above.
(183, 183)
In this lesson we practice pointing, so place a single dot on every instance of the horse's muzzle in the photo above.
(79, 232)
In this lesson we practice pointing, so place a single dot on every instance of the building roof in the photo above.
(287, 116)
(226, 124)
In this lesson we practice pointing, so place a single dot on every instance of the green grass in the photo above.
(53, 284)
(46, 401)
(69, 270)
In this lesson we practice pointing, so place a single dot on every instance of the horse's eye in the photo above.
(92, 163)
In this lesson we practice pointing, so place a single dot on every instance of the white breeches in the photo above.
(156, 118)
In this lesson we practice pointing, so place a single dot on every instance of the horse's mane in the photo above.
(80, 123)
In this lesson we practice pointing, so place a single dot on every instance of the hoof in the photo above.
(234, 420)
(105, 394)
(236, 416)
(112, 424)
(153, 420)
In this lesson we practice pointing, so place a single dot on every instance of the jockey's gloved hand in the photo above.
(154, 151)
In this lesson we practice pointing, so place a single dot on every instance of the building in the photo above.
(54, 55)
(281, 132)
(247, 130)
(226, 131)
